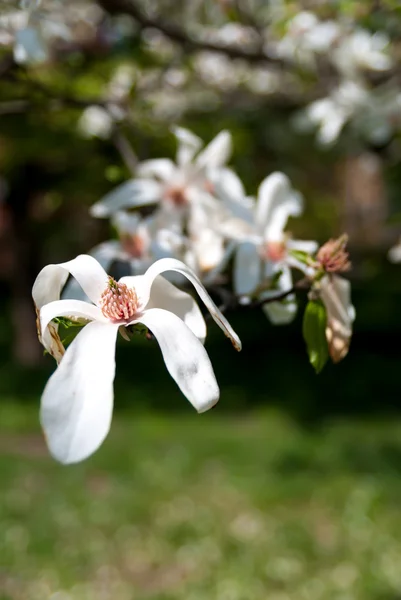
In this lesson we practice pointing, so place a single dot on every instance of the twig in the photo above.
(124, 147)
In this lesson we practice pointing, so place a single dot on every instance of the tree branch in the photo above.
(181, 36)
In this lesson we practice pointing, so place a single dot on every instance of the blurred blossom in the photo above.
(264, 251)
(77, 403)
(96, 121)
(330, 114)
(182, 189)
(219, 70)
(361, 50)
(307, 37)
(232, 34)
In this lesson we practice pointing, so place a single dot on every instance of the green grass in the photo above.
(203, 507)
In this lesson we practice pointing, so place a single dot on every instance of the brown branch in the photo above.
(181, 36)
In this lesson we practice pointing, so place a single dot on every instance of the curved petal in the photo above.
(277, 201)
(186, 359)
(69, 308)
(188, 145)
(89, 273)
(171, 264)
(247, 269)
(165, 295)
(160, 168)
(135, 192)
(105, 253)
(49, 283)
(77, 402)
(217, 153)
(336, 295)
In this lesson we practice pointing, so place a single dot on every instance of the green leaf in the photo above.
(313, 329)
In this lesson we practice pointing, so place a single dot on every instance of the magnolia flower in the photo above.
(265, 251)
(176, 187)
(77, 402)
(332, 113)
(361, 50)
(335, 293)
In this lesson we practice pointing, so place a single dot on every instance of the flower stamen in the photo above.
(118, 302)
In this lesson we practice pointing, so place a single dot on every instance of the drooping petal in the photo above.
(277, 201)
(160, 168)
(185, 357)
(77, 402)
(335, 293)
(283, 312)
(105, 253)
(135, 192)
(168, 297)
(49, 283)
(188, 145)
(69, 308)
(247, 269)
(216, 153)
(171, 264)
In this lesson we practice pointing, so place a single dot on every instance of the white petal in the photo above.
(188, 145)
(217, 153)
(247, 269)
(136, 192)
(336, 296)
(283, 312)
(49, 283)
(309, 246)
(165, 295)
(185, 358)
(160, 168)
(227, 183)
(277, 201)
(171, 264)
(105, 253)
(88, 272)
(77, 402)
(69, 308)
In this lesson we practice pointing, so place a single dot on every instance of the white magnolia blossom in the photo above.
(307, 37)
(335, 292)
(77, 402)
(330, 114)
(362, 51)
(182, 189)
(264, 252)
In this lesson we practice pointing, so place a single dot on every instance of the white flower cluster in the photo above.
(202, 221)
(202, 216)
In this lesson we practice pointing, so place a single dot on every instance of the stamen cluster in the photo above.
(118, 302)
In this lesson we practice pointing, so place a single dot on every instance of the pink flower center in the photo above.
(274, 251)
(118, 302)
(176, 195)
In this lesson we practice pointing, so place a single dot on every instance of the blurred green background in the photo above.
(290, 487)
